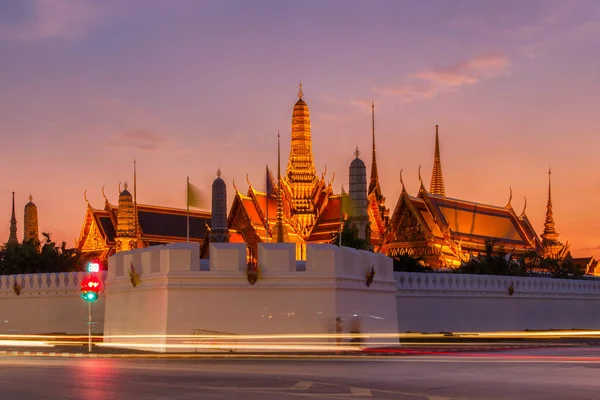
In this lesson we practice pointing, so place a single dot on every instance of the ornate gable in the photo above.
(405, 224)
(408, 228)
(94, 240)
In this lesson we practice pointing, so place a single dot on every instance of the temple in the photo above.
(299, 207)
(446, 231)
(129, 225)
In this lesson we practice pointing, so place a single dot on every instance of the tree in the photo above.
(493, 262)
(406, 263)
(34, 257)
(350, 239)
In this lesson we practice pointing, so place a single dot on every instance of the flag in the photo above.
(347, 203)
(134, 278)
(194, 196)
(270, 189)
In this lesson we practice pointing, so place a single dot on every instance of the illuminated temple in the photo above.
(446, 231)
(129, 225)
(300, 207)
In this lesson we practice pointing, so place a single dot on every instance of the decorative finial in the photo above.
(300, 92)
(219, 172)
(30, 198)
(508, 205)
(103, 194)
(356, 152)
(125, 186)
(119, 187)
(248, 180)
(235, 187)
(85, 196)
(524, 206)
(421, 180)
(401, 181)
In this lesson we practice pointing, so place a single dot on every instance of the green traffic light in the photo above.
(90, 296)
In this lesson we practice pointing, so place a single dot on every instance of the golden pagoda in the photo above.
(553, 248)
(301, 207)
(30, 226)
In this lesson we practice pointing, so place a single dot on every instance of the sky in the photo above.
(190, 86)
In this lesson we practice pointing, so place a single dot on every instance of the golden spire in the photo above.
(279, 223)
(437, 179)
(30, 225)
(300, 174)
(550, 234)
(300, 92)
(374, 183)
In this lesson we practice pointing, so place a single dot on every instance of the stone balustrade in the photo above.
(47, 282)
(447, 284)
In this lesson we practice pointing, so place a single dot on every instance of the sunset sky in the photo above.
(188, 86)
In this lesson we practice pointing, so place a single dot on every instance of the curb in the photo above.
(472, 349)
(366, 352)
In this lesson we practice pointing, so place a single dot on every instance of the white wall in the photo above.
(433, 302)
(48, 303)
(176, 296)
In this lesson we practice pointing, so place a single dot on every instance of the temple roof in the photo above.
(157, 224)
(254, 208)
(466, 218)
(459, 224)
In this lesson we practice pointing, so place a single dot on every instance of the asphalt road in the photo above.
(528, 374)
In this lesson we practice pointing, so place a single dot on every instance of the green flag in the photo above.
(194, 196)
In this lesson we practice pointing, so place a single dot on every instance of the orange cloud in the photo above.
(140, 139)
(429, 83)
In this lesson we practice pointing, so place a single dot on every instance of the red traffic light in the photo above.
(90, 286)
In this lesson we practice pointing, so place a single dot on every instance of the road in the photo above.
(549, 374)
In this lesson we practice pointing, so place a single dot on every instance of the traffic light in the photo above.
(90, 287)
(93, 266)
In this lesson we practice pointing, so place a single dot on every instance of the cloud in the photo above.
(363, 104)
(140, 139)
(44, 19)
(429, 83)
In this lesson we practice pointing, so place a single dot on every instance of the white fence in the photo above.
(434, 302)
(47, 303)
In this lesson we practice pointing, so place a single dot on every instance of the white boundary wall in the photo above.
(48, 303)
(434, 302)
(179, 293)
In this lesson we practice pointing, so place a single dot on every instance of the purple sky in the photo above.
(189, 86)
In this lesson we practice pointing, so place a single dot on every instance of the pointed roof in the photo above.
(550, 234)
(12, 238)
(437, 178)
(374, 182)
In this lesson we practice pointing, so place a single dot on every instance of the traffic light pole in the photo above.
(89, 326)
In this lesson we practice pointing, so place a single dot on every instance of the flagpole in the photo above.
(188, 208)
(267, 206)
(341, 215)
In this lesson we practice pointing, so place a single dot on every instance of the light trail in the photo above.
(25, 343)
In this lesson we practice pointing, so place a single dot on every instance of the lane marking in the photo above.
(302, 385)
(361, 392)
